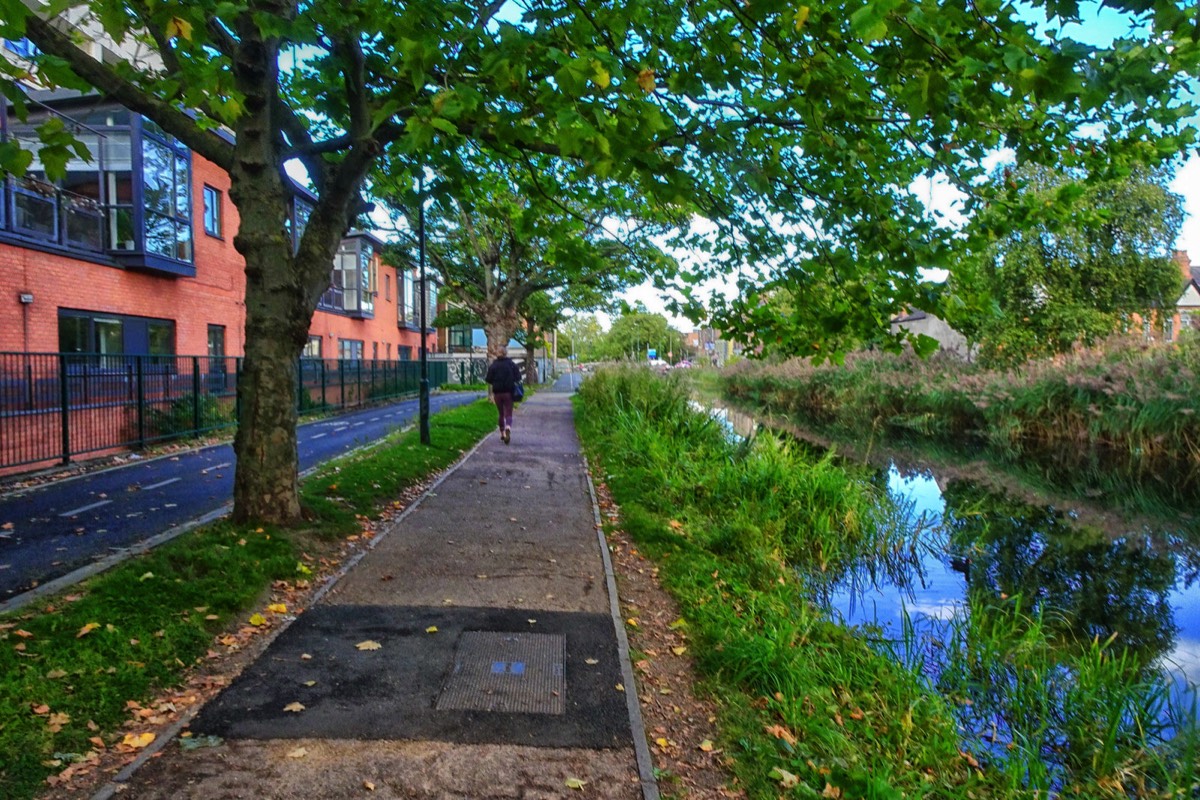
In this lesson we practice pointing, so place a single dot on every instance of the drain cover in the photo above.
(507, 672)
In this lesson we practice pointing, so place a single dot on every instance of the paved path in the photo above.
(62, 526)
(501, 670)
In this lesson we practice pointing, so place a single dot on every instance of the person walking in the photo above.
(503, 375)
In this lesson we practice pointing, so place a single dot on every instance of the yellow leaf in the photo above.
(146, 576)
(802, 17)
(277, 608)
(575, 783)
(368, 645)
(86, 629)
(645, 80)
(600, 75)
(137, 740)
(370, 787)
(632, 622)
(310, 683)
(299, 752)
(620, 687)
(786, 779)
(661, 741)
(431, 629)
(258, 530)
(179, 27)
(706, 745)
(258, 619)
(677, 624)
(678, 650)
(295, 708)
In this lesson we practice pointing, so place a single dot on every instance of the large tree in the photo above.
(1089, 258)
(792, 129)
(513, 253)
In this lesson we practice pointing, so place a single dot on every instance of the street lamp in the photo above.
(423, 402)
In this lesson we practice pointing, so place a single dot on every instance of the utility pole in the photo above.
(423, 402)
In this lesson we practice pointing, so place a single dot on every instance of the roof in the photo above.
(911, 316)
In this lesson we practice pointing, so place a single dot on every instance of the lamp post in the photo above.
(423, 402)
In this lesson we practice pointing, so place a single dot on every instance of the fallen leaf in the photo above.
(831, 791)
(55, 674)
(310, 683)
(41, 709)
(305, 657)
(299, 752)
(707, 745)
(86, 629)
(8, 526)
(25, 634)
(146, 576)
(780, 732)
(431, 629)
(591, 661)
(576, 783)
(257, 619)
(786, 779)
(370, 787)
(295, 708)
(137, 740)
(370, 645)
(678, 650)
(277, 608)
(661, 742)
(677, 624)
(632, 622)
(620, 687)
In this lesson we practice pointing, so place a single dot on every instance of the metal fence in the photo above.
(54, 406)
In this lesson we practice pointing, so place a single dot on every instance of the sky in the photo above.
(1099, 26)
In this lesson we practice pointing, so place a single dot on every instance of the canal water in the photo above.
(1083, 568)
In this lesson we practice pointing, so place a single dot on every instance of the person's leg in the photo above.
(496, 398)
(504, 404)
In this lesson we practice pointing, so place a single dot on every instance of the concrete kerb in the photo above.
(114, 786)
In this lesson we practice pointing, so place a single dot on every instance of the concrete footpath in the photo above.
(474, 652)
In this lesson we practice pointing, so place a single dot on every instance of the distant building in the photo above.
(1187, 308)
(922, 322)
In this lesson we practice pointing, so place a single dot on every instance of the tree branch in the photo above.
(173, 120)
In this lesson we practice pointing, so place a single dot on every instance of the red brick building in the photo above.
(132, 253)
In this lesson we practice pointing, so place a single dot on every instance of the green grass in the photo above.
(738, 529)
(1129, 397)
(157, 614)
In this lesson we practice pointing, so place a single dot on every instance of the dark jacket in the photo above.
(503, 374)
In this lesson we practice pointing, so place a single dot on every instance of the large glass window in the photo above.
(166, 195)
(68, 211)
(351, 282)
(408, 304)
(312, 348)
(350, 349)
(100, 334)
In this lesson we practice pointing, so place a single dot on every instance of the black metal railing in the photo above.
(54, 406)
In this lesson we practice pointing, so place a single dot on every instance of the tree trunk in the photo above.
(499, 327)
(531, 375)
(278, 311)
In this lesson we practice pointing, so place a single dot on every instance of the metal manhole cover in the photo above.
(507, 672)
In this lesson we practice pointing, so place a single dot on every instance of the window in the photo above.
(387, 286)
(460, 339)
(312, 349)
(166, 194)
(350, 349)
(389, 351)
(1168, 329)
(216, 341)
(408, 306)
(212, 211)
(374, 351)
(430, 304)
(351, 283)
(21, 47)
(404, 352)
(96, 333)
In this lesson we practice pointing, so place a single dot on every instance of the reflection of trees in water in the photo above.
(1095, 585)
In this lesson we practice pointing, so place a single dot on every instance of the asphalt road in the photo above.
(51, 530)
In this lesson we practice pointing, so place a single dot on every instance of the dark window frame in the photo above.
(212, 199)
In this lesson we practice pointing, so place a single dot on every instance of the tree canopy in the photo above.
(791, 130)
(1090, 258)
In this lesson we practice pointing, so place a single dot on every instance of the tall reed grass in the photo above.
(812, 708)
(1137, 397)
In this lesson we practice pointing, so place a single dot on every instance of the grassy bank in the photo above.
(71, 665)
(809, 706)
(1134, 397)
